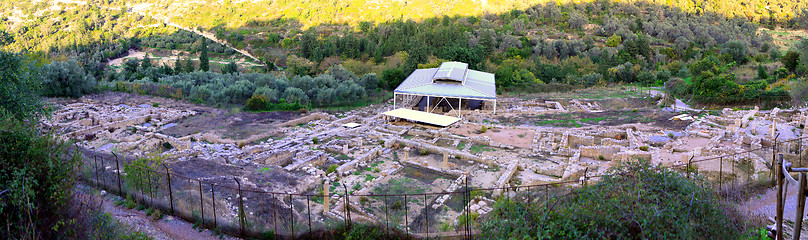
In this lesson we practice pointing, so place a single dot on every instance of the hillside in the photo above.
(209, 13)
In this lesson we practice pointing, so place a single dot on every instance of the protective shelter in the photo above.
(448, 85)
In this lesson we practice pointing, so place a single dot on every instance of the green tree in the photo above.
(67, 79)
(762, 74)
(737, 50)
(204, 62)
(189, 65)
(145, 63)
(178, 66)
(231, 67)
(614, 41)
(791, 60)
(19, 88)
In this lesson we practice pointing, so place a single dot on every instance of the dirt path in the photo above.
(679, 104)
(166, 228)
(167, 59)
(141, 9)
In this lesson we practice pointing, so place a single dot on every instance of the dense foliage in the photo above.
(633, 201)
(321, 12)
(36, 176)
(336, 87)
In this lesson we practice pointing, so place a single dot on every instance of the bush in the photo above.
(315, 140)
(483, 129)
(357, 231)
(762, 74)
(257, 103)
(799, 91)
(331, 169)
(141, 169)
(423, 152)
(644, 148)
(38, 172)
(614, 41)
(790, 60)
(67, 79)
(632, 201)
(737, 50)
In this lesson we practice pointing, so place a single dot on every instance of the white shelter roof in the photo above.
(451, 79)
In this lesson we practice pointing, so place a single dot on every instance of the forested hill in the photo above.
(237, 13)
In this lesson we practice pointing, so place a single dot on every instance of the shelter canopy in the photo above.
(451, 79)
(422, 117)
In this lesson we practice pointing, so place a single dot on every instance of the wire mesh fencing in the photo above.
(230, 206)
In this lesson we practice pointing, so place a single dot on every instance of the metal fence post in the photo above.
(426, 213)
(201, 203)
(406, 216)
(308, 210)
(170, 192)
(213, 200)
(291, 215)
(386, 216)
(347, 207)
(274, 217)
(467, 198)
(240, 206)
(97, 179)
(118, 168)
(720, 174)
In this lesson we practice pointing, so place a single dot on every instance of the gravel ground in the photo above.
(166, 228)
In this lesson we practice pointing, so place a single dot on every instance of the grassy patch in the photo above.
(477, 148)
(461, 146)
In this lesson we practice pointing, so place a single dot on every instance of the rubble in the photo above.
(360, 151)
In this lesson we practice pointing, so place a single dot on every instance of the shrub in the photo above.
(483, 129)
(130, 204)
(423, 152)
(737, 50)
(600, 157)
(315, 140)
(614, 41)
(799, 91)
(357, 231)
(156, 215)
(257, 103)
(397, 205)
(790, 60)
(38, 171)
(167, 145)
(331, 169)
(632, 201)
(644, 148)
(67, 79)
(762, 74)
(156, 104)
(141, 169)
